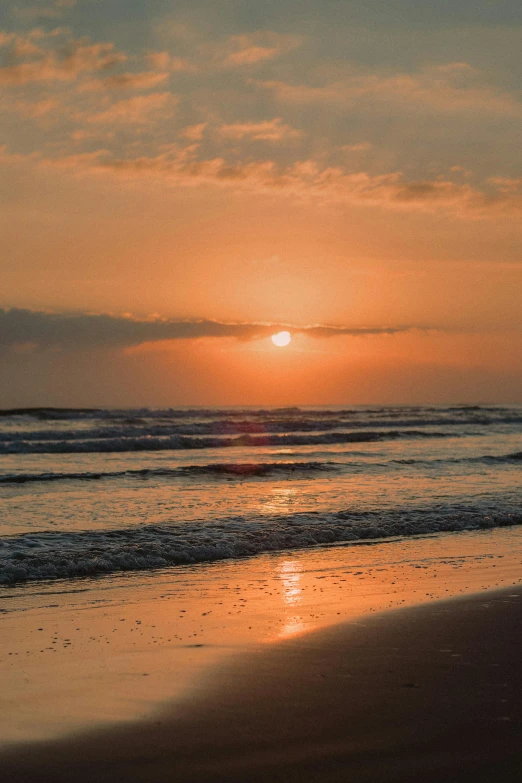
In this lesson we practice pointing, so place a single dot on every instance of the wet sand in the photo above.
(92, 654)
(429, 693)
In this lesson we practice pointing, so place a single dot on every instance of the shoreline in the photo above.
(433, 690)
(82, 656)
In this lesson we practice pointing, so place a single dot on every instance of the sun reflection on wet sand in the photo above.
(177, 624)
(290, 572)
(292, 627)
(290, 575)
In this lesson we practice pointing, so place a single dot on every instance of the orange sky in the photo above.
(242, 166)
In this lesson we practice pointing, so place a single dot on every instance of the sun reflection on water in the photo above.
(281, 501)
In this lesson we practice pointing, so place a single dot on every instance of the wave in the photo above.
(50, 413)
(246, 470)
(181, 442)
(241, 470)
(486, 458)
(515, 457)
(133, 414)
(234, 427)
(59, 555)
(219, 428)
(136, 414)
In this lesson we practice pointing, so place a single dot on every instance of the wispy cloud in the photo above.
(362, 146)
(269, 130)
(508, 185)
(44, 10)
(202, 52)
(178, 166)
(67, 84)
(164, 61)
(34, 62)
(143, 80)
(136, 110)
(253, 48)
(193, 132)
(30, 329)
(34, 109)
(451, 87)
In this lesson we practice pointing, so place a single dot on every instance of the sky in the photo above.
(180, 180)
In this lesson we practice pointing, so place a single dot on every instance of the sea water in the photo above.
(95, 493)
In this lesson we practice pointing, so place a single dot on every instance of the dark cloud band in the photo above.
(29, 327)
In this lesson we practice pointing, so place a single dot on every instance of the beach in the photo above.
(260, 391)
(285, 672)
(258, 594)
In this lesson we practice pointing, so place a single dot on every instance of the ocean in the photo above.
(97, 493)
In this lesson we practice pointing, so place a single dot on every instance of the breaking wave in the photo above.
(59, 555)
(241, 470)
(181, 442)
(246, 470)
(135, 414)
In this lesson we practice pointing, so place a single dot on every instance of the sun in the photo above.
(281, 339)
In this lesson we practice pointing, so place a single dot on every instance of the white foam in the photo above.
(55, 555)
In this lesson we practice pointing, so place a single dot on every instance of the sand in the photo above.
(427, 693)
(431, 691)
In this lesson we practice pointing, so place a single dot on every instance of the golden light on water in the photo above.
(281, 339)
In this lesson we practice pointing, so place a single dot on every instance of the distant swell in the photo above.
(58, 555)
(246, 470)
(231, 469)
(486, 459)
(265, 428)
(231, 426)
(463, 412)
(175, 442)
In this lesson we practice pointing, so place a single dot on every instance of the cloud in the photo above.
(44, 11)
(81, 135)
(451, 87)
(137, 110)
(41, 64)
(269, 130)
(30, 329)
(509, 185)
(303, 179)
(193, 132)
(251, 54)
(362, 146)
(79, 161)
(144, 80)
(253, 48)
(35, 109)
(241, 51)
(164, 61)
(179, 166)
